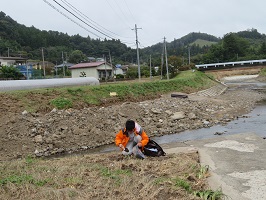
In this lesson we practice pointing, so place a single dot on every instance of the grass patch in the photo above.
(209, 194)
(183, 184)
(263, 72)
(22, 179)
(61, 103)
(30, 160)
(102, 176)
(43, 100)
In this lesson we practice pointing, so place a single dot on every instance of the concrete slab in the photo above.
(237, 163)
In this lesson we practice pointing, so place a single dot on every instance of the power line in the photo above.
(81, 14)
(121, 10)
(87, 18)
(71, 19)
(83, 20)
(122, 19)
(130, 11)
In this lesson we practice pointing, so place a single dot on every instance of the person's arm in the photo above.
(145, 139)
(118, 139)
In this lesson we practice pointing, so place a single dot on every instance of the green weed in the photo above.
(205, 194)
(263, 72)
(116, 175)
(159, 180)
(203, 171)
(183, 184)
(73, 180)
(61, 103)
(72, 194)
(22, 179)
(75, 92)
(30, 160)
(109, 173)
(209, 194)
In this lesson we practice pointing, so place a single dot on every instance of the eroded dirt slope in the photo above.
(72, 130)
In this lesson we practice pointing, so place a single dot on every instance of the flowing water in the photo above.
(255, 122)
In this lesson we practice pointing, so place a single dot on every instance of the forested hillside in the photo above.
(28, 41)
(18, 40)
(243, 45)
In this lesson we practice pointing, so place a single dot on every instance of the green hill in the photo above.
(202, 43)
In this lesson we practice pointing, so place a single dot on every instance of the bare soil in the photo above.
(110, 175)
(54, 132)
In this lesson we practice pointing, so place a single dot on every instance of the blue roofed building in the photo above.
(26, 70)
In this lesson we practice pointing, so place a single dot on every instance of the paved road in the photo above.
(239, 78)
(237, 163)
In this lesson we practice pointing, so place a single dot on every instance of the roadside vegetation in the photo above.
(106, 176)
(44, 100)
(109, 175)
(263, 72)
(10, 73)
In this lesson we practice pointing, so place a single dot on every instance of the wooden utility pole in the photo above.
(111, 62)
(166, 60)
(63, 63)
(43, 63)
(105, 68)
(150, 68)
(137, 43)
(162, 61)
(189, 55)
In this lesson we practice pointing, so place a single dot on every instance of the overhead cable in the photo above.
(83, 21)
(87, 18)
(71, 19)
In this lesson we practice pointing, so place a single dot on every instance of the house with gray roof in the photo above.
(11, 61)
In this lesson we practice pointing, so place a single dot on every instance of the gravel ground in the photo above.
(68, 131)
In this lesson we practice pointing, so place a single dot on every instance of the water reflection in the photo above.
(253, 122)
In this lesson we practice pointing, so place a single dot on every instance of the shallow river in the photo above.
(255, 121)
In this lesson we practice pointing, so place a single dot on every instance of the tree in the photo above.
(77, 57)
(174, 63)
(10, 72)
(234, 46)
(132, 72)
(262, 49)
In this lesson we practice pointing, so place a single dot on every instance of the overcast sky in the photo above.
(157, 19)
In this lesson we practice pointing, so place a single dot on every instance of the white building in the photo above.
(10, 61)
(120, 69)
(98, 70)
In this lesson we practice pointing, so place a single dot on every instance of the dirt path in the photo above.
(68, 131)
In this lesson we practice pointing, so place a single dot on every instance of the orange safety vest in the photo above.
(122, 138)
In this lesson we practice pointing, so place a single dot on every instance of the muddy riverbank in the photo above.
(69, 131)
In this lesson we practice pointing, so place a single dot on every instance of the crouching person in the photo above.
(132, 139)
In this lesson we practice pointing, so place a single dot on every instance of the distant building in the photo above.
(91, 59)
(120, 69)
(66, 65)
(98, 70)
(26, 70)
(11, 61)
(99, 59)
